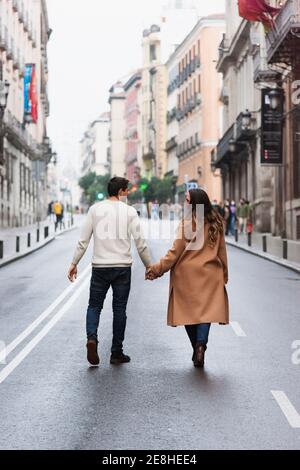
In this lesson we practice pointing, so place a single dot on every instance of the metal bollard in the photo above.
(249, 239)
(1, 249)
(285, 249)
(236, 235)
(17, 244)
(37, 235)
(46, 232)
(264, 243)
(28, 240)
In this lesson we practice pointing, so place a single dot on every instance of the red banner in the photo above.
(33, 96)
(257, 10)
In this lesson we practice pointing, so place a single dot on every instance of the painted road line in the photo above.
(33, 343)
(5, 352)
(287, 408)
(237, 328)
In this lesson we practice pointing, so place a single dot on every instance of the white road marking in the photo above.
(237, 328)
(31, 345)
(287, 408)
(45, 314)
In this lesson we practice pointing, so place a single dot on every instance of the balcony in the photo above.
(21, 66)
(15, 60)
(3, 37)
(26, 22)
(171, 144)
(229, 52)
(171, 115)
(9, 49)
(45, 102)
(223, 47)
(283, 41)
(20, 138)
(148, 153)
(223, 153)
(21, 12)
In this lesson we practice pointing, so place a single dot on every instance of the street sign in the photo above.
(271, 130)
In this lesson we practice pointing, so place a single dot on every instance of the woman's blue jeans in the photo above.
(198, 333)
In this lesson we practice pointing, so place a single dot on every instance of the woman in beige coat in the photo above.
(199, 272)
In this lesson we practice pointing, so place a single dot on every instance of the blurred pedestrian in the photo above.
(215, 206)
(58, 211)
(242, 215)
(250, 210)
(222, 210)
(232, 220)
(50, 212)
(227, 216)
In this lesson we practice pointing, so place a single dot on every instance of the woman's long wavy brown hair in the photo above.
(212, 217)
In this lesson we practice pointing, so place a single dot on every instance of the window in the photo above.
(199, 83)
(153, 55)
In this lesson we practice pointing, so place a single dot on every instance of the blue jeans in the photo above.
(198, 333)
(232, 224)
(120, 280)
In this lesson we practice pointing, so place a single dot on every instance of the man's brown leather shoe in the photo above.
(92, 352)
(199, 355)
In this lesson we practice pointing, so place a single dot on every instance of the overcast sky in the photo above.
(94, 43)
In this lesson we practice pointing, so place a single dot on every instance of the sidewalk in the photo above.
(283, 252)
(15, 243)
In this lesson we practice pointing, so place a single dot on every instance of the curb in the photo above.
(20, 256)
(268, 257)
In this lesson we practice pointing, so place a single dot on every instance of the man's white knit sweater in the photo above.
(112, 224)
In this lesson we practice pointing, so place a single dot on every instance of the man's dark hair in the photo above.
(116, 184)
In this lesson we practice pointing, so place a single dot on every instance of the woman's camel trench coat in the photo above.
(197, 282)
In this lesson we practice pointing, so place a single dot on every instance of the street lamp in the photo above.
(246, 119)
(232, 146)
(274, 97)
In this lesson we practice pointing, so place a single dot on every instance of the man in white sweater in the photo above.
(112, 224)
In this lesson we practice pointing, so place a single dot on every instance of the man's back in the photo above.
(112, 223)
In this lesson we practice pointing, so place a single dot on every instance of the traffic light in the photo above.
(143, 186)
(100, 196)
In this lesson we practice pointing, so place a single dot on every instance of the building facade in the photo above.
(25, 148)
(133, 124)
(94, 146)
(282, 56)
(254, 65)
(154, 105)
(198, 109)
(117, 132)
(172, 122)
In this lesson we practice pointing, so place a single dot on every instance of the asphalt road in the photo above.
(246, 398)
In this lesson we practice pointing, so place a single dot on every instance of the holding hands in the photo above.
(150, 274)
